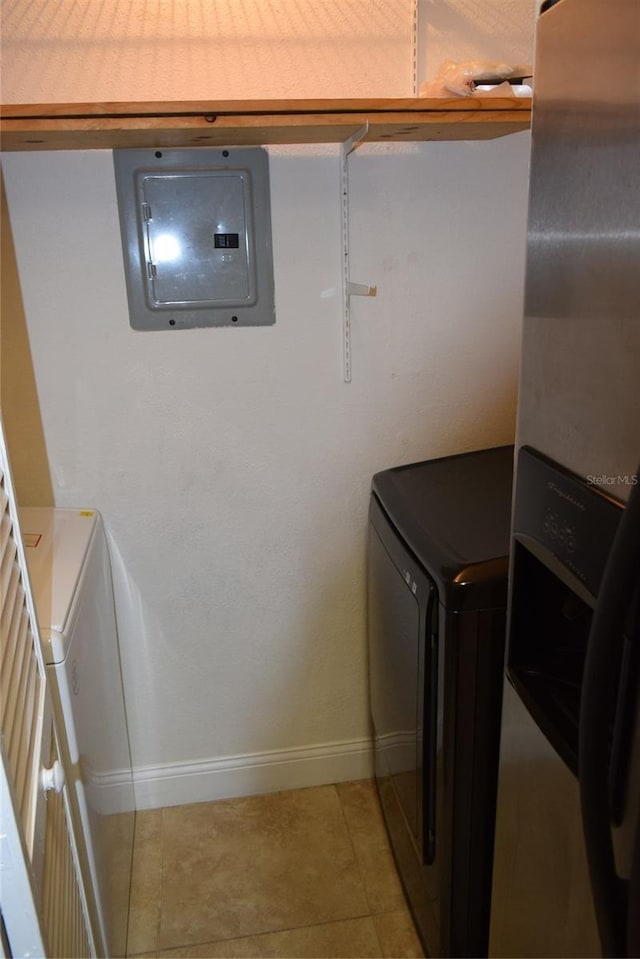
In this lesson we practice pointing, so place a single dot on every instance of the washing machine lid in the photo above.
(56, 545)
(454, 514)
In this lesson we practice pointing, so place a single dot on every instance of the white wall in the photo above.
(232, 466)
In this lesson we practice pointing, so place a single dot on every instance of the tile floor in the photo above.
(302, 873)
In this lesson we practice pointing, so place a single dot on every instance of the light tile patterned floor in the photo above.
(302, 873)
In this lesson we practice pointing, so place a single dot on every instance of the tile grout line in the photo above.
(355, 854)
(373, 914)
(270, 932)
(360, 870)
(161, 950)
(138, 860)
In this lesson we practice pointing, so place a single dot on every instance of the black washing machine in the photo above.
(437, 589)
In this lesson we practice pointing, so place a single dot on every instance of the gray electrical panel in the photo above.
(196, 235)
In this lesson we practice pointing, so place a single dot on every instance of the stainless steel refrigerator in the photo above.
(566, 878)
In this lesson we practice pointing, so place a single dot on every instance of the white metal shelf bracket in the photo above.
(349, 289)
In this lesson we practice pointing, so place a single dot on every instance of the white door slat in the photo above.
(7, 560)
(41, 895)
(10, 602)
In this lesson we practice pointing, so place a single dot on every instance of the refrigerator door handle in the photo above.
(624, 726)
(597, 714)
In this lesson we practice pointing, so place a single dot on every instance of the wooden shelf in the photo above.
(98, 126)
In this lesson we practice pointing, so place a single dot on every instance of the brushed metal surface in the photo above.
(542, 904)
(580, 405)
(580, 388)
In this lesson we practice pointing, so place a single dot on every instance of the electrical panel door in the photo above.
(196, 231)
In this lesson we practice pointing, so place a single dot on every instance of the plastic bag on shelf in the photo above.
(460, 79)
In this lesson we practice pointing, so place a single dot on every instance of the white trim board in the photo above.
(175, 784)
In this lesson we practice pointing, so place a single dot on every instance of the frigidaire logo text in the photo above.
(564, 495)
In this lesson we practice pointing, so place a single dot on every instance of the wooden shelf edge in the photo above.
(258, 107)
(240, 123)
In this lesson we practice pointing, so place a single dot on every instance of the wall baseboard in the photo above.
(175, 784)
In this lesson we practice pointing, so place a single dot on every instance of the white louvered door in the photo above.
(41, 897)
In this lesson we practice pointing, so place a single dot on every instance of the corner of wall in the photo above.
(18, 394)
